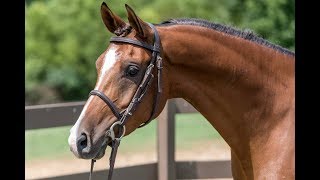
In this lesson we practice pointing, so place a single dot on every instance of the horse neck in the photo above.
(236, 84)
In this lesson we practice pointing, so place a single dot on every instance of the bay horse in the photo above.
(242, 84)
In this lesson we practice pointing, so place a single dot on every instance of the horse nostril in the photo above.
(82, 142)
(84, 145)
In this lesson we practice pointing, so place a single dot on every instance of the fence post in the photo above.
(166, 142)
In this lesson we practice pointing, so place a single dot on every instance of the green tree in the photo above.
(274, 20)
(64, 38)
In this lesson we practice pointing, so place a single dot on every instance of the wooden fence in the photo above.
(63, 114)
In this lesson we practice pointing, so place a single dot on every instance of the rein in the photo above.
(123, 116)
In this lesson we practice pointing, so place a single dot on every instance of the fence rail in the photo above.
(63, 114)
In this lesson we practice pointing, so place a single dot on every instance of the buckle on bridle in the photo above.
(110, 132)
(159, 62)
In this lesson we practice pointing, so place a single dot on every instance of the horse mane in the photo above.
(246, 34)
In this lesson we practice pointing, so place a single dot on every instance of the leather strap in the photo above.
(156, 59)
(134, 42)
(156, 102)
(91, 168)
(111, 105)
(112, 159)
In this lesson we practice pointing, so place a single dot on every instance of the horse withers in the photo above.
(242, 84)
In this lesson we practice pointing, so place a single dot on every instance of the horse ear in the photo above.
(113, 22)
(139, 25)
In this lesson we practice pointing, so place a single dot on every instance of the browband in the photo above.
(135, 42)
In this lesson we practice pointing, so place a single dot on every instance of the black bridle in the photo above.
(123, 116)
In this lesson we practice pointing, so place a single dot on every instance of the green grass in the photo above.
(193, 128)
(42, 143)
(53, 142)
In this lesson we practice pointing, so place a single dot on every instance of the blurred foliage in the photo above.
(274, 20)
(64, 38)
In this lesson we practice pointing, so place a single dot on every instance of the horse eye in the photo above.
(132, 71)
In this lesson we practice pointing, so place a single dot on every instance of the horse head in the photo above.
(121, 70)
